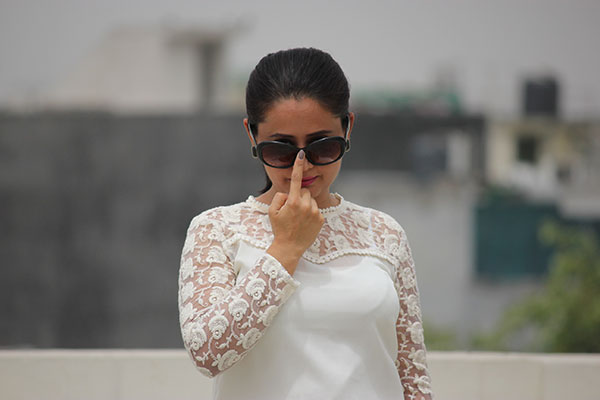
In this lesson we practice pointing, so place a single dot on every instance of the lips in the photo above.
(308, 181)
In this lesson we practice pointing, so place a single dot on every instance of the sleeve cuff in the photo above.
(276, 270)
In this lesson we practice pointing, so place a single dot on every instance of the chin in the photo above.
(315, 192)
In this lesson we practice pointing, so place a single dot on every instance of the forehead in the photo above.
(298, 117)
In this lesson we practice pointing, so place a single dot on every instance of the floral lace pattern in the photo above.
(223, 317)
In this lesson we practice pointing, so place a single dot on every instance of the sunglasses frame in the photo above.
(295, 149)
(257, 148)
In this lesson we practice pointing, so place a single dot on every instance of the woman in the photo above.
(299, 293)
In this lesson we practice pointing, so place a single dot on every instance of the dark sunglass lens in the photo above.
(325, 151)
(278, 154)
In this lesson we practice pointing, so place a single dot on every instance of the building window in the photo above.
(528, 149)
(507, 244)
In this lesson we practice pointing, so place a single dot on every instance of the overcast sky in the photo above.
(394, 44)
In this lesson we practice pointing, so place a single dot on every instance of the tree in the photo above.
(565, 315)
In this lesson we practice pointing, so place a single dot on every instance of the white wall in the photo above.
(170, 374)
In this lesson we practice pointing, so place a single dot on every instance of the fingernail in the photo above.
(301, 154)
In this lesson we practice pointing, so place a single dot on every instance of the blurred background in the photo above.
(478, 129)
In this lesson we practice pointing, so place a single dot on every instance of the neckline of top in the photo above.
(264, 207)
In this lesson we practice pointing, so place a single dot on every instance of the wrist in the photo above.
(288, 247)
(287, 256)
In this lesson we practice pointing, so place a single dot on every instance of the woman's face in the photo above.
(301, 122)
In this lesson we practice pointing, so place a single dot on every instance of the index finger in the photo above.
(296, 183)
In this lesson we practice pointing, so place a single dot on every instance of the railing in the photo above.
(170, 375)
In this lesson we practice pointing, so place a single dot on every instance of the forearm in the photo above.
(219, 335)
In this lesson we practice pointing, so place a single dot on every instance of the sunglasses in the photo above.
(282, 155)
(320, 152)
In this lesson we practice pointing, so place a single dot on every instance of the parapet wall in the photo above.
(170, 374)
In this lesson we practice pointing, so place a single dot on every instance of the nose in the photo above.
(307, 164)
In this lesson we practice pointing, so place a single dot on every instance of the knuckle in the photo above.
(279, 196)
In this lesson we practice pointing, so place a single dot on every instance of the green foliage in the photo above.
(565, 315)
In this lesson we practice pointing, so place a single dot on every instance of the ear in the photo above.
(351, 118)
(252, 141)
(249, 132)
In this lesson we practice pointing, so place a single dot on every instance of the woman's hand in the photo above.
(295, 219)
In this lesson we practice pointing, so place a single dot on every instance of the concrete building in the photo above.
(140, 69)
(548, 160)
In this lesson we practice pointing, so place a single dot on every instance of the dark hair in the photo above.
(296, 73)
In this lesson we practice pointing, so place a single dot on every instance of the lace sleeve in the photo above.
(221, 319)
(411, 361)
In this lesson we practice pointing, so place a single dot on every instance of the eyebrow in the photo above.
(310, 135)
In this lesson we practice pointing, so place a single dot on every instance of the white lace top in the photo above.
(346, 325)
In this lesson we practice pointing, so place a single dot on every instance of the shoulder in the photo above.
(379, 221)
(219, 218)
(388, 236)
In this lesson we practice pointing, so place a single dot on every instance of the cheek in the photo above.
(330, 173)
(276, 175)
(334, 169)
